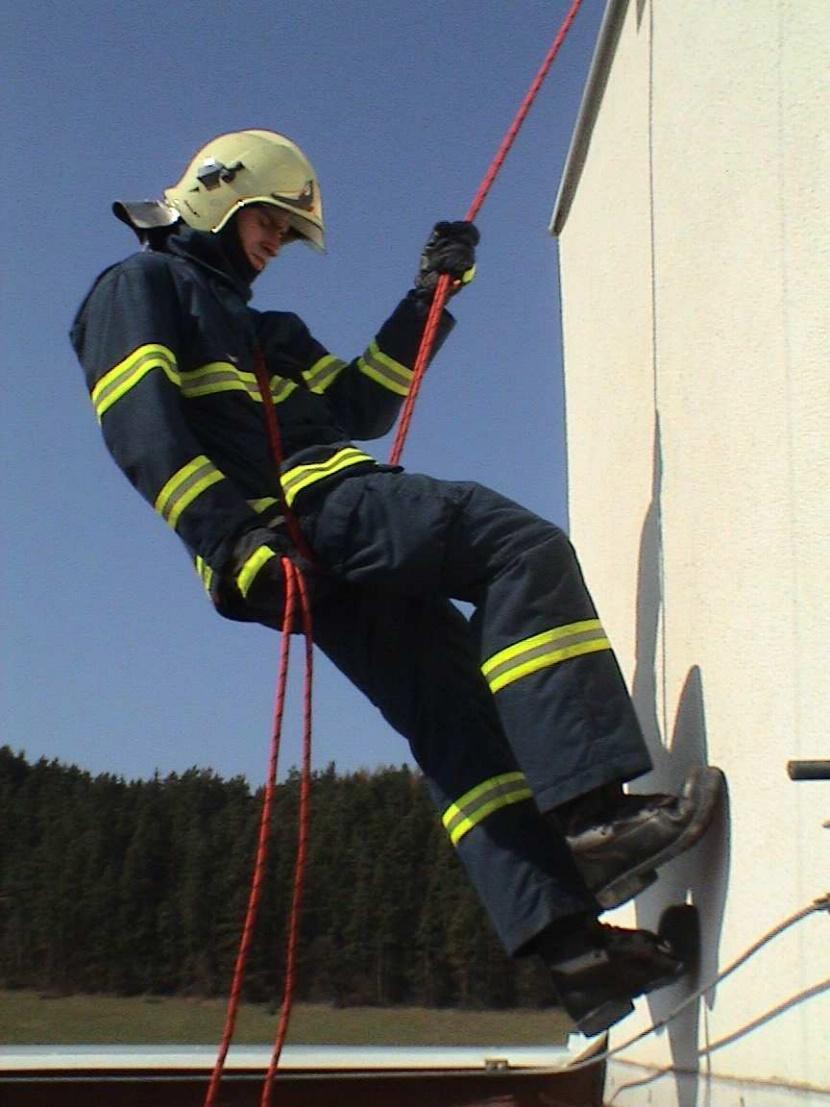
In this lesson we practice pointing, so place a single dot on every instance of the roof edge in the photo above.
(104, 1058)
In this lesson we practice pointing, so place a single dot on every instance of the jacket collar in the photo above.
(211, 252)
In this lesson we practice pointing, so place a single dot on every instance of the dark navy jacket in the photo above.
(166, 339)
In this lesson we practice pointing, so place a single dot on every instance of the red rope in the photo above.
(304, 822)
(294, 583)
(272, 428)
(442, 288)
(261, 858)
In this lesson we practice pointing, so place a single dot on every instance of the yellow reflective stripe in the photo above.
(184, 487)
(247, 574)
(281, 389)
(543, 650)
(223, 376)
(117, 381)
(323, 373)
(205, 572)
(206, 380)
(474, 806)
(385, 370)
(262, 505)
(301, 476)
(218, 376)
(268, 506)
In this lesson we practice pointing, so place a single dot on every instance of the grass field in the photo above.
(26, 1017)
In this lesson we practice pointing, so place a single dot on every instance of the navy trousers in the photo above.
(508, 713)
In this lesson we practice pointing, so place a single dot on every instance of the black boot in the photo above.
(598, 971)
(618, 846)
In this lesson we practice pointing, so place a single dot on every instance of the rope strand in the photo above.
(272, 428)
(442, 288)
(304, 822)
(261, 857)
(294, 583)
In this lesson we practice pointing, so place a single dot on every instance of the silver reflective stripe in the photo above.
(184, 487)
(281, 389)
(323, 373)
(301, 476)
(543, 650)
(218, 376)
(474, 806)
(385, 370)
(124, 376)
(222, 376)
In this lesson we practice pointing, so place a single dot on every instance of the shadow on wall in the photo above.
(700, 876)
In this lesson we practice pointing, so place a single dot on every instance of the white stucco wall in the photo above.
(695, 257)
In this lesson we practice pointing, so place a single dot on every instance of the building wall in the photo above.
(694, 256)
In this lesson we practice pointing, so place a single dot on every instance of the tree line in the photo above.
(140, 887)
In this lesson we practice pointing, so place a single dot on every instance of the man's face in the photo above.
(262, 230)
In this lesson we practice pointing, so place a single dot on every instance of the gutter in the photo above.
(607, 39)
(327, 1076)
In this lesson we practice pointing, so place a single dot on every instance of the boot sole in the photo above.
(613, 1010)
(604, 1016)
(630, 883)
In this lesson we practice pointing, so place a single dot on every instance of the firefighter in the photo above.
(518, 717)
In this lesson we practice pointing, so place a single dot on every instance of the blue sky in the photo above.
(112, 656)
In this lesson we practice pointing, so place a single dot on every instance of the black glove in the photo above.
(260, 589)
(451, 249)
(258, 583)
(267, 590)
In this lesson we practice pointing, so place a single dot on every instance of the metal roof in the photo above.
(309, 1076)
(69, 1058)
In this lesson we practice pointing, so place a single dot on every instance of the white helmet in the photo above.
(249, 167)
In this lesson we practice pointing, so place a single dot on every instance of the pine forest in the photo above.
(139, 887)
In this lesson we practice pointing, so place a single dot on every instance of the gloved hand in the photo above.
(257, 580)
(451, 248)
(266, 591)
